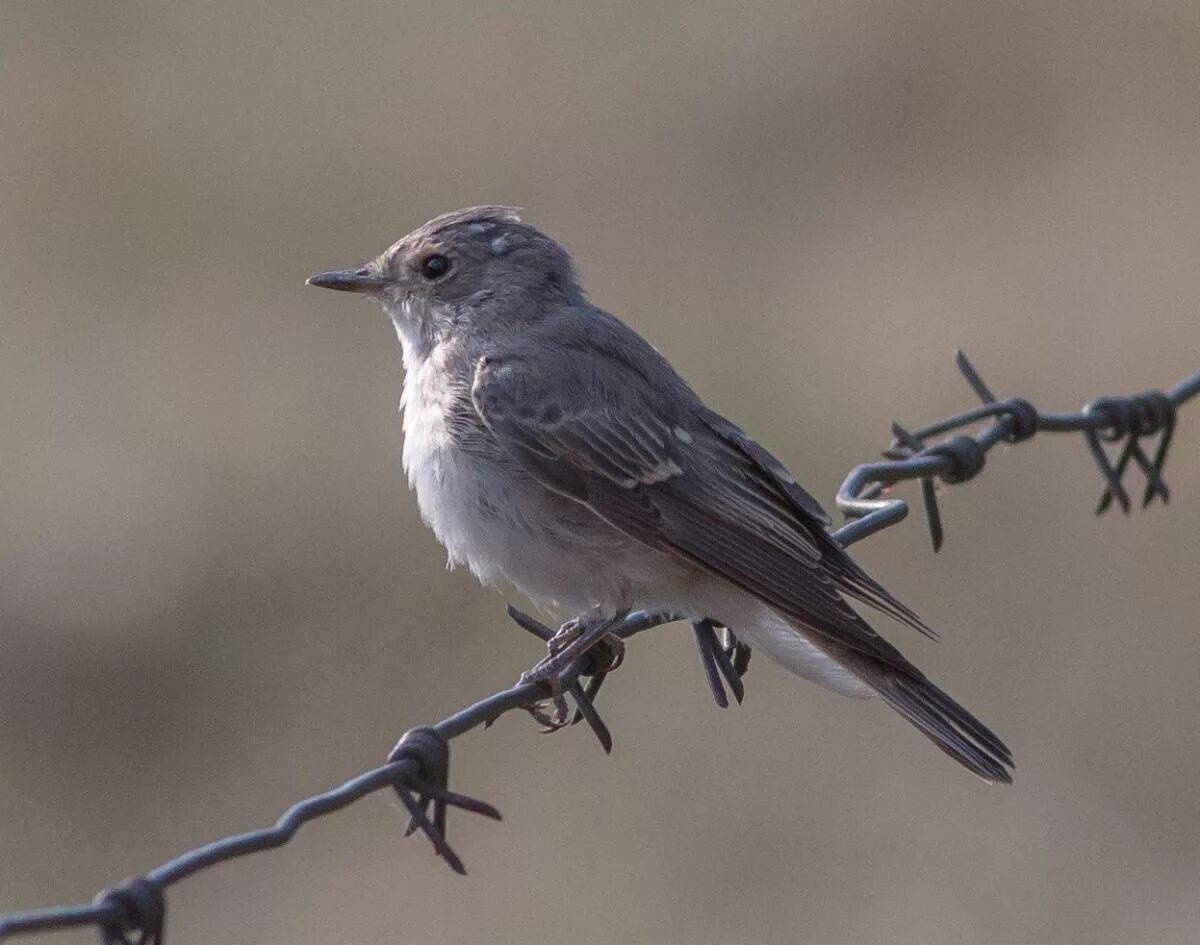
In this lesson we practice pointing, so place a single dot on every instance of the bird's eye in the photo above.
(435, 266)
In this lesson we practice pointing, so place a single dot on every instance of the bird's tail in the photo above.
(945, 723)
(942, 720)
(836, 666)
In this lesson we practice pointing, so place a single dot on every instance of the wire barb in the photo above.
(134, 912)
(910, 445)
(717, 659)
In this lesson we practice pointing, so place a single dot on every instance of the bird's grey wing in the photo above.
(603, 438)
(768, 465)
(847, 575)
(628, 449)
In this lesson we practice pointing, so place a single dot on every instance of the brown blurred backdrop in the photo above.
(217, 595)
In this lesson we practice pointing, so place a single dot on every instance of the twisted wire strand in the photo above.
(958, 459)
(133, 912)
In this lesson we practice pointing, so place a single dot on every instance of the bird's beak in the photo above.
(366, 281)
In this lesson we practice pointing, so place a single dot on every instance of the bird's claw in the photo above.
(566, 634)
(605, 655)
(545, 675)
(576, 639)
(600, 654)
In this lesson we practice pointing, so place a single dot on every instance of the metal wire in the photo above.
(1126, 419)
(134, 911)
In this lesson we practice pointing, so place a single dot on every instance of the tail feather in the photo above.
(948, 725)
(813, 655)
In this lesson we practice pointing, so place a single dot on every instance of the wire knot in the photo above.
(429, 751)
(1024, 417)
(1128, 418)
(606, 655)
(141, 913)
(1135, 415)
(964, 456)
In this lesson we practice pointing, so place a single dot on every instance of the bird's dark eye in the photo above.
(434, 266)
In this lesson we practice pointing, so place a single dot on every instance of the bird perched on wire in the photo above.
(551, 447)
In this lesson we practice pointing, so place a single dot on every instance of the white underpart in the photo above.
(766, 631)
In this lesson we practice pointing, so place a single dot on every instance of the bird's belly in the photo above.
(506, 527)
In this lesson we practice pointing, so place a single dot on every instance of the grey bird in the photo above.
(552, 448)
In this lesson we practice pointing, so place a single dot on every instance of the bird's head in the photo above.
(481, 267)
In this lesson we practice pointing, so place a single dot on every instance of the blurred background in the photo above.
(216, 595)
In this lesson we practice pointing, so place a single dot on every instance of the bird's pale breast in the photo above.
(492, 516)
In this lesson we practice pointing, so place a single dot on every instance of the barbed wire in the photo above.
(133, 912)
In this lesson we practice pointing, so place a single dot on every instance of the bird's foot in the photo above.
(574, 639)
(605, 655)
(589, 636)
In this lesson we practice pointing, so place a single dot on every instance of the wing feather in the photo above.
(686, 485)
